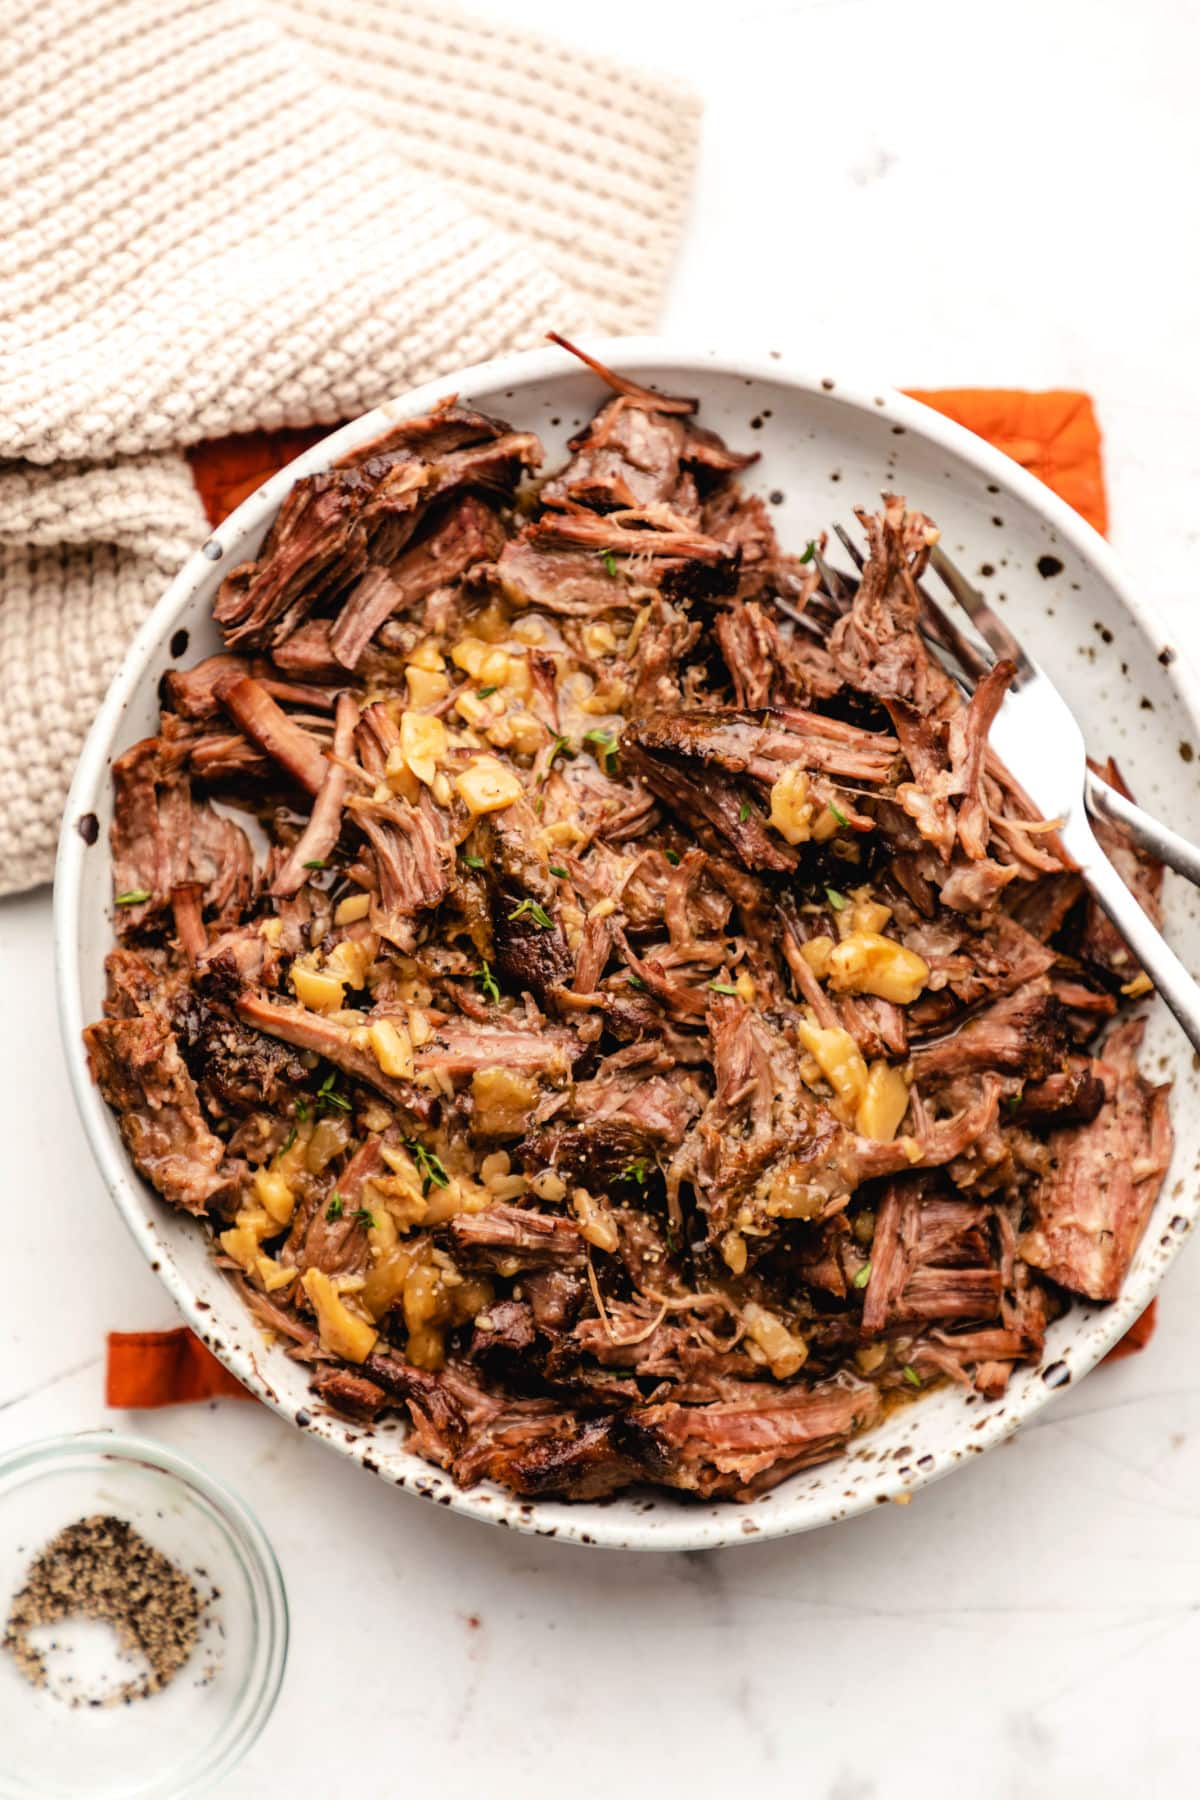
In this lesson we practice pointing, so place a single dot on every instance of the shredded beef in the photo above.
(659, 1034)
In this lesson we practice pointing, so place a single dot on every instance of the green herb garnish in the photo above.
(487, 982)
(836, 900)
(723, 987)
(863, 1276)
(530, 909)
(473, 862)
(635, 981)
(327, 1097)
(606, 743)
(609, 561)
(430, 1167)
(838, 814)
(1014, 1100)
(672, 857)
(317, 862)
(672, 1238)
(557, 869)
(363, 1217)
(485, 693)
(636, 1171)
(301, 1110)
(810, 551)
(134, 897)
(743, 812)
(561, 746)
(335, 1208)
(288, 1141)
(910, 1375)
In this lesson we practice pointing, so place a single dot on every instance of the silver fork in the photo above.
(1035, 734)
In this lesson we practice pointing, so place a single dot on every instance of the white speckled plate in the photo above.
(825, 445)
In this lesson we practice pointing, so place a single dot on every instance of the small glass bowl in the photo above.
(178, 1742)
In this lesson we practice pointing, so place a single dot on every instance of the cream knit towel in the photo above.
(217, 215)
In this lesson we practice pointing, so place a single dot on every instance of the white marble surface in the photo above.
(940, 195)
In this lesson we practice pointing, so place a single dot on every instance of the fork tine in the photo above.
(944, 630)
(851, 548)
(991, 628)
(835, 585)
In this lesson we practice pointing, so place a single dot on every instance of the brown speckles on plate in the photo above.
(827, 384)
(1049, 566)
(987, 570)
(1057, 1375)
(179, 642)
(88, 827)
(1186, 753)
(997, 520)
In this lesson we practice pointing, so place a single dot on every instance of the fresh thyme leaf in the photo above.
(610, 562)
(672, 1237)
(487, 982)
(317, 862)
(485, 693)
(1014, 1100)
(636, 1171)
(134, 897)
(722, 987)
(743, 812)
(531, 909)
(335, 1208)
(561, 746)
(672, 857)
(810, 551)
(910, 1375)
(288, 1141)
(430, 1167)
(836, 900)
(363, 1217)
(635, 980)
(557, 869)
(327, 1097)
(606, 743)
(473, 862)
(863, 1276)
(838, 814)
(301, 1110)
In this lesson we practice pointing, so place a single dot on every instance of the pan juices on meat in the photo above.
(661, 1034)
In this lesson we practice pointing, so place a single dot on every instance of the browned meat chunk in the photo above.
(1090, 1211)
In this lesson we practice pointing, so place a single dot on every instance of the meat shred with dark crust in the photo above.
(660, 1035)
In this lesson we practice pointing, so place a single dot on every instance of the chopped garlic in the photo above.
(351, 909)
(595, 1221)
(342, 1332)
(487, 786)
(733, 1252)
(426, 688)
(839, 1059)
(323, 993)
(422, 744)
(884, 1103)
(784, 1352)
(866, 963)
(791, 808)
(391, 1047)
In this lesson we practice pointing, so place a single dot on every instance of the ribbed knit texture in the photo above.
(216, 217)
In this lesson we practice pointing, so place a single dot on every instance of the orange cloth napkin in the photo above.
(1054, 435)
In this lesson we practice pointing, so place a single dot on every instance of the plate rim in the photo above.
(615, 1525)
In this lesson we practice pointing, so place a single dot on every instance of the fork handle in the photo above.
(1176, 986)
(1105, 802)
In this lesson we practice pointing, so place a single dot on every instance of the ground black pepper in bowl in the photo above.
(101, 1568)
